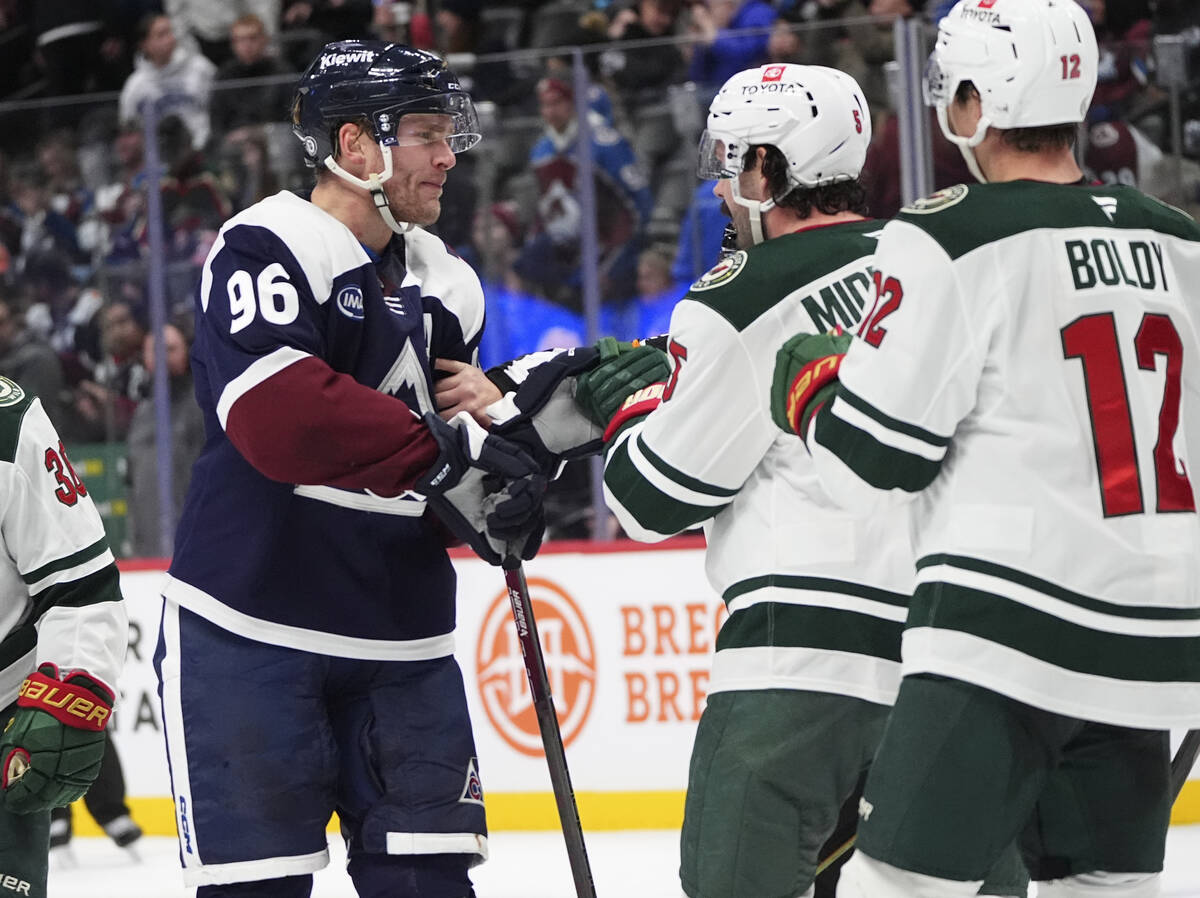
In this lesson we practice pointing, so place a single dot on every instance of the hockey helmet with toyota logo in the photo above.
(1034, 63)
(381, 82)
(815, 116)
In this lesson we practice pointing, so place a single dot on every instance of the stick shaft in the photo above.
(543, 703)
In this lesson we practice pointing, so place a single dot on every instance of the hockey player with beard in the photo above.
(1027, 379)
(305, 657)
(63, 634)
(807, 663)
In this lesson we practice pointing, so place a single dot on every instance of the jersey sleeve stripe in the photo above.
(678, 477)
(1050, 597)
(642, 503)
(888, 430)
(68, 563)
(1002, 620)
(808, 626)
(824, 589)
(879, 464)
(255, 374)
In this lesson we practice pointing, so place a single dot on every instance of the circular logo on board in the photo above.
(10, 393)
(570, 667)
(350, 302)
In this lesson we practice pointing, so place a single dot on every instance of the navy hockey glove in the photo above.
(628, 382)
(486, 490)
(806, 369)
(52, 745)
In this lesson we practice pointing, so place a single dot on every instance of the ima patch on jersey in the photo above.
(721, 273)
(936, 202)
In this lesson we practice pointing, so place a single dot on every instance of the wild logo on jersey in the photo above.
(10, 393)
(721, 273)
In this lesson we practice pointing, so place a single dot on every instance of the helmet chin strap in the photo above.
(756, 208)
(966, 145)
(374, 183)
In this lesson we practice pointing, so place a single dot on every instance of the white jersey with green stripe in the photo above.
(60, 599)
(1030, 374)
(816, 595)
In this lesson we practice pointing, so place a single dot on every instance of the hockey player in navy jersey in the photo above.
(305, 657)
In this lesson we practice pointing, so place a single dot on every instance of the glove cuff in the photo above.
(75, 701)
(641, 402)
(809, 381)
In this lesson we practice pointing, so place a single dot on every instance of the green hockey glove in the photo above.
(624, 371)
(51, 747)
(806, 369)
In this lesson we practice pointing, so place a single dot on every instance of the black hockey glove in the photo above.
(52, 745)
(486, 490)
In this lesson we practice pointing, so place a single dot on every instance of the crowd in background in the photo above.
(75, 76)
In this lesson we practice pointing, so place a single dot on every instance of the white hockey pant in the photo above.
(865, 877)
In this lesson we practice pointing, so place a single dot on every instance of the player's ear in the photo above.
(351, 145)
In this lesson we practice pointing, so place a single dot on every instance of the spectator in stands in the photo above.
(517, 321)
(187, 438)
(644, 68)
(59, 163)
(62, 311)
(167, 69)
(327, 20)
(210, 22)
(42, 229)
(648, 313)
(70, 40)
(105, 402)
(233, 111)
(721, 50)
(458, 28)
(28, 359)
(551, 260)
(120, 203)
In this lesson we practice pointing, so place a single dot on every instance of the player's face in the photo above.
(420, 162)
(750, 186)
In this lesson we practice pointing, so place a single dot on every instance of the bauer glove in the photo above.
(627, 382)
(51, 747)
(806, 369)
(485, 489)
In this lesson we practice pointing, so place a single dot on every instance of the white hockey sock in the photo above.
(865, 877)
(1102, 885)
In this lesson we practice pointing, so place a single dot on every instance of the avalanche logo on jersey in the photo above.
(473, 789)
(721, 273)
(10, 393)
(350, 302)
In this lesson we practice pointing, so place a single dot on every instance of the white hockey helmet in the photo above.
(1034, 62)
(815, 116)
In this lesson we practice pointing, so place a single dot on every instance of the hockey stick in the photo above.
(1184, 760)
(543, 704)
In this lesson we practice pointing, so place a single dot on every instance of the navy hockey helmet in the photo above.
(378, 81)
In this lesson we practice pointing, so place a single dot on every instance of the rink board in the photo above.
(627, 632)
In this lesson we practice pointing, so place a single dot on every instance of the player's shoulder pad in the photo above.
(444, 275)
(14, 402)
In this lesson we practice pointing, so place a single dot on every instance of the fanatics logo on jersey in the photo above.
(721, 273)
(1107, 204)
(10, 393)
(936, 202)
(773, 73)
(570, 666)
(350, 302)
